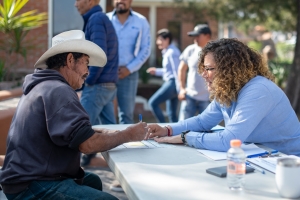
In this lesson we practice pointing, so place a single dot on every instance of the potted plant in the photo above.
(14, 27)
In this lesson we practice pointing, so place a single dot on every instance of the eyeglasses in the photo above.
(209, 69)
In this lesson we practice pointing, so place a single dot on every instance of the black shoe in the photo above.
(86, 159)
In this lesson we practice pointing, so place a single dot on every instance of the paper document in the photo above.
(268, 163)
(249, 149)
(145, 144)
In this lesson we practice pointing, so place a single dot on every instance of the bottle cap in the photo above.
(235, 143)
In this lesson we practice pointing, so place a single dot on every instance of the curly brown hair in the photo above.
(236, 65)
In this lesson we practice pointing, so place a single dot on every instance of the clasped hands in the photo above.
(160, 135)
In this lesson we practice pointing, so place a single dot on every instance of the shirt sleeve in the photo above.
(209, 118)
(184, 55)
(144, 51)
(252, 106)
(97, 32)
(159, 72)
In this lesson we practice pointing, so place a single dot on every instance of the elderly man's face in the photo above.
(79, 71)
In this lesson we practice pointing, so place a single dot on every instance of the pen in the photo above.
(266, 153)
(273, 152)
(140, 117)
(256, 168)
(258, 154)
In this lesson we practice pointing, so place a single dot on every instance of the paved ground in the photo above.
(108, 178)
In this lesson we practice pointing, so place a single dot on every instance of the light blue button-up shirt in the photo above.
(134, 40)
(262, 114)
(170, 63)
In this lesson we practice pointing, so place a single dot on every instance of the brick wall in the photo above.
(38, 38)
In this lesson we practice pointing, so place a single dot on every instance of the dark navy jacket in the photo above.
(99, 29)
(45, 133)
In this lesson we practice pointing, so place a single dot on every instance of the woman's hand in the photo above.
(173, 139)
(151, 70)
(154, 130)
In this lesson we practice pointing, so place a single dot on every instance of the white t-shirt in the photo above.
(195, 87)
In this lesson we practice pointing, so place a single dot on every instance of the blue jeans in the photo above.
(166, 93)
(97, 100)
(192, 107)
(126, 92)
(65, 189)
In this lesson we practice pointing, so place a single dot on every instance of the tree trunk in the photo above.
(293, 83)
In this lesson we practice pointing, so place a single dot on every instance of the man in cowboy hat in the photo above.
(50, 127)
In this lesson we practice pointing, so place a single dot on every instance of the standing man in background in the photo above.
(134, 49)
(194, 91)
(100, 88)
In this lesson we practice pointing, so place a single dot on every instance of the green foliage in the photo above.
(9, 20)
(144, 76)
(273, 14)
(255, 45)
(281, 70)
(2, 70)
(285, 51)
(15, 28)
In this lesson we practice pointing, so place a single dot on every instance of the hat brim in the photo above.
(96, 55)
(192, 33)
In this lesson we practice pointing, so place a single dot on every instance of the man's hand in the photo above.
(181, 95)
(136, 132)
(151, 70)
(123, 72)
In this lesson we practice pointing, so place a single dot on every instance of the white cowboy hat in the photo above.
(73, 41)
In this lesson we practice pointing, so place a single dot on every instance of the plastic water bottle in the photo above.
(236, 166)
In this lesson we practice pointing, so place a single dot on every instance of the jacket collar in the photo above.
(87, 15)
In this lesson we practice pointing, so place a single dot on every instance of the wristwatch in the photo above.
(183, 136)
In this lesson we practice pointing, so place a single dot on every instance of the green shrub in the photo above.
(255, 45)
(281, 70)
(144, 76)
(2, 70)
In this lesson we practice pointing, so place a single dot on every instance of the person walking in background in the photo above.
(193, 90)
(134, 49)
(168, 91)
(100, 89)
(268, 48)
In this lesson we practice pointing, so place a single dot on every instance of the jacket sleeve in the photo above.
(96, 32)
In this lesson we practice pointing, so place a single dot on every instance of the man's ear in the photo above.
(70, 60)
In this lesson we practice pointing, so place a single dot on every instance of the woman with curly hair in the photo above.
(243, 94)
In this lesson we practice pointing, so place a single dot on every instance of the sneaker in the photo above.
(86, 159)
(116, 187)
